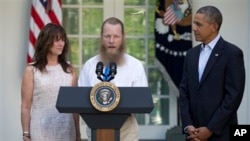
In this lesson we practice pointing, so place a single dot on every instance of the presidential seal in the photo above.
(105, 96)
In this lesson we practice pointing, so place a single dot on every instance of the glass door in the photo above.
(82, 20)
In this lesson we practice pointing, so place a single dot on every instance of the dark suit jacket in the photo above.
(213, 102)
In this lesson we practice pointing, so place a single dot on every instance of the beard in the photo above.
(112, 56)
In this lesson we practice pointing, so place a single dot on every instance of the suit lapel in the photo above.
(195, 64)
(215, 54)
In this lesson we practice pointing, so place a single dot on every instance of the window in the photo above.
(82, 20)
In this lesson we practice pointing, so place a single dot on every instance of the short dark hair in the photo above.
(48, 34)
(212, 13)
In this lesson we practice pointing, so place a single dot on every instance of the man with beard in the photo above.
(130, 71)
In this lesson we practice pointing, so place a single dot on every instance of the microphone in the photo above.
(112, 67)
(99, 69)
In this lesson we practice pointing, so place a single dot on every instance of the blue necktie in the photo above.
(106, 73)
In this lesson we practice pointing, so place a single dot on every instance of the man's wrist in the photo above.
(26, 135)
(186, 129)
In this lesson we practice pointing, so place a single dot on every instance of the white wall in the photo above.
(14, 37)
(14, 26)
(248, 63)
(1, 72)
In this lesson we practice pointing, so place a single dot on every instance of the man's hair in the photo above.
(113, 21)
(212, 14)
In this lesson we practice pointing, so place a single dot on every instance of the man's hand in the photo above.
(203, 133)
(192, 133)
(198, 134)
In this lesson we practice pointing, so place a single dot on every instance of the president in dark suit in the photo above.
(213, 81)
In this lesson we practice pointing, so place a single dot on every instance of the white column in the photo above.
(14, 44)
(1, 72)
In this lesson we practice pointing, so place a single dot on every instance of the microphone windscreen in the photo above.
(99, 68)
(113, 66)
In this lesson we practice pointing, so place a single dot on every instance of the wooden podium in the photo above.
(105, 126)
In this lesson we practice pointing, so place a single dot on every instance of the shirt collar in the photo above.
(212, 44)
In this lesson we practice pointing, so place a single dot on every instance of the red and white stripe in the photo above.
(170, 17)
(42, 12)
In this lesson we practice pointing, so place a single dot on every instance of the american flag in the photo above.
(42, 12)
(171, 16)
(172, 40)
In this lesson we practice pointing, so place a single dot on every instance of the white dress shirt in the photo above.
(204, 55)
(205, 52)
(129, 74)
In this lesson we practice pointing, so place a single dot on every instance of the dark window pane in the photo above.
(134, 21)
(152, 2)
(140, 118)
(157, 83)
(151, 21)
(90, 48)
(158, 116)
(134, 2)
(74, 51)
(91, 20)
(160, 113)
(136, 48)
(151, 52)
(71, 20)
(92, 2)
(70, 1)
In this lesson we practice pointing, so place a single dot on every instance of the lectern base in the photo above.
(105, 135)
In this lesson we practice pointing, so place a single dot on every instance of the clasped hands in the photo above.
(198, 134)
